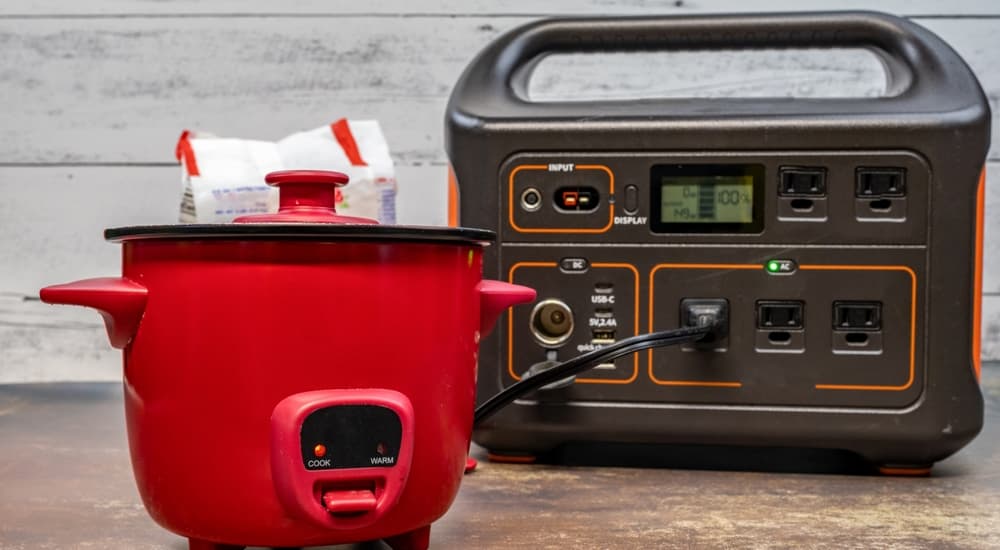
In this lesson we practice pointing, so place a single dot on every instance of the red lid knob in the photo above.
(305, 196)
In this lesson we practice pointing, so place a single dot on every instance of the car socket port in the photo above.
(577, 199)
(551, 322)
(695, 312)
(531, 199)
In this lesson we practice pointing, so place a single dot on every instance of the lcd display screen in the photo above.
(706, 199)
(709, 198)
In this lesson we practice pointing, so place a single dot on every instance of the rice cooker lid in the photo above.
(306, 210)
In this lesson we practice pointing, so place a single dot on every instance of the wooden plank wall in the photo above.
(95, 93)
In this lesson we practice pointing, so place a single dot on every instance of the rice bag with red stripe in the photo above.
(224, 177)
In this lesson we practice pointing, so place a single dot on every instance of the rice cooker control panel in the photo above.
(350, 436)
(341, 458)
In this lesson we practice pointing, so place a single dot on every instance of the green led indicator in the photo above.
(781, 267)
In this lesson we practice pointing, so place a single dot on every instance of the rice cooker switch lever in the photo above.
(353, 501)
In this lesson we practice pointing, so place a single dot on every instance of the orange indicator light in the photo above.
(319, 450)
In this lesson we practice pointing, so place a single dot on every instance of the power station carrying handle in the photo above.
(919, 64)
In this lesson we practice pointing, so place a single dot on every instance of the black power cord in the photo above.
(710, 324)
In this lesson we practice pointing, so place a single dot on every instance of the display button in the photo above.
(631, 199)
(574, 265)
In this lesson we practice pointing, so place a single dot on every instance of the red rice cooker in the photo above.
(299, 378)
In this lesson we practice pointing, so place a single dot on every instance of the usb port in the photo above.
(602, 337)
(604, 288)
(604, 313)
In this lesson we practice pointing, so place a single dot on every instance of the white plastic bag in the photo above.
(224, 177)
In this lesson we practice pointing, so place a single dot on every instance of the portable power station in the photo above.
(842, 236)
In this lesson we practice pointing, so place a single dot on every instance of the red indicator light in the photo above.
(380, 448)
(319, 450)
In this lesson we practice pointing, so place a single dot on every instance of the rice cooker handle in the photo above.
(119, 300)
(921, 67)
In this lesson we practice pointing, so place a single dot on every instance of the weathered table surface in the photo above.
(65, 482)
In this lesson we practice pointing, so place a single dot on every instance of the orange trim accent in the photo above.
(696, 383)
(512, 459)
(342, 133)
(510, 201)
(652, 284)
(904, 472)
(913, 324)
(977, 284)
(597, 265)
(184, 150)
(452, 197)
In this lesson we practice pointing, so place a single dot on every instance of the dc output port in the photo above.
(551, 322)
(531, 199)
